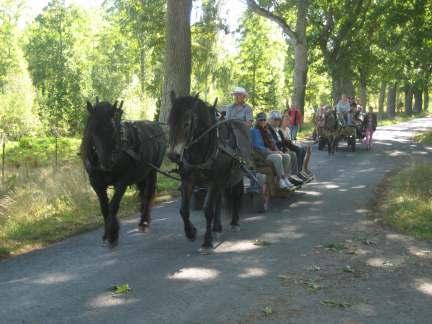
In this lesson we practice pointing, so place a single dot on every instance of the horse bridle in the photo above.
(191, 141)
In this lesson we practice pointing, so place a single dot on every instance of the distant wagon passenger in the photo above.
(240, 109)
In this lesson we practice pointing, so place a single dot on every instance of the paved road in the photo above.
(367, 273)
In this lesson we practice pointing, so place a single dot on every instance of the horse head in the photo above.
(189, 117)
(103, 132)
(330, 120)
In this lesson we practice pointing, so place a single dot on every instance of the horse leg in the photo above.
(217, 222)
(186, 192)
(147, 190)
(103, 202)
(209, 211)
(112, 221)
(236, 199)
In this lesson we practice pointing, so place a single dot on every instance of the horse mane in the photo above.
(186, 103)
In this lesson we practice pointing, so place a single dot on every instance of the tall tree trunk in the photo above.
(408, 98)
(178, 64)
(391, 100)
(363, 90)
(418, 100)
(342, 82)
(426, 99)
(300, 55)
(297, 39)
(142, 74)
(381, 98)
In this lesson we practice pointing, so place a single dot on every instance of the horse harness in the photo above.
(221, 146)
(129, 140)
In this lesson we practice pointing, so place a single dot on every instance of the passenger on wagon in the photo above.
(263, 144)
(343, 109)
(239, 109)
(303, 153)
(278, 138)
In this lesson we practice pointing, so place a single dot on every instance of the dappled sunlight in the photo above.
(108, 300)
(195, 274)
(286, 232)
(422, 253)
(311, 193)
(376, 262)
(54, 278)
(331, 186)
(424, 285)
(253, 273)
(362, 211)
(253, 219)
(397, 153)
(397, 237)
(303, 203)
(387, 262)
(236, 246)
(366, 170)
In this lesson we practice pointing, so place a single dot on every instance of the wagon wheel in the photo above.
(352, 143)
(258, 202)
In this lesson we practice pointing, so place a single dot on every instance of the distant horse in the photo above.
(207, 153)
(118, 153)
(330, 131)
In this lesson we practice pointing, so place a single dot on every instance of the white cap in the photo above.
(239, 90)
(275, 115)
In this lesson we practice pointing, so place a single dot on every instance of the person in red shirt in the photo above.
(294, 122)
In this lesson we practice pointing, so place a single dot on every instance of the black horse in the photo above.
(211, 153)
(118, 153)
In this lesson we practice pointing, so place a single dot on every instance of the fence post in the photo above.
(56, 147)
(3, 144)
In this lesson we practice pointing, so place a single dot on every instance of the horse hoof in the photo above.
(144, 227)
(205, 250)
(216, 236)
(112, 245)
(191, 234)
(235, 228)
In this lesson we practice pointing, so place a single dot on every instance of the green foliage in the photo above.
(40, 151)
(54, 52)
(261, 63)
(408, 201)
(10, 12)
(16, 92)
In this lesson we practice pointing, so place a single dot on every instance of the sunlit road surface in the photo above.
(310, 264)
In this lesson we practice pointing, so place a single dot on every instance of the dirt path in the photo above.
(323, 259)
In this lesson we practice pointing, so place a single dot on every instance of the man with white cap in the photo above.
(239, 109)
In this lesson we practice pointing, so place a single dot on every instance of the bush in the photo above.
(41, 151)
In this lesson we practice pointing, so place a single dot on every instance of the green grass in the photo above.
(40, 204)
(424, 138)
(407, 203)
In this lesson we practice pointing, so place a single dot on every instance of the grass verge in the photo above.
(41, 205)
(407, 197)
(407, 201)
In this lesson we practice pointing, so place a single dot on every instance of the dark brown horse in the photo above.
(120, 154)
(207, 152)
